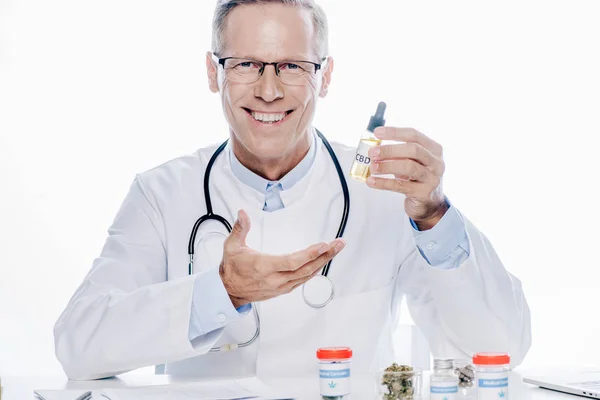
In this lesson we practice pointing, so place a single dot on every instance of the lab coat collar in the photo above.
(304, 188)
(261, 184)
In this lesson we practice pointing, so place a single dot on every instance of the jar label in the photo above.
(342, 373)
(334, 378)
(492, 385)
(443, 391)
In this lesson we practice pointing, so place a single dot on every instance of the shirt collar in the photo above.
(261, 184)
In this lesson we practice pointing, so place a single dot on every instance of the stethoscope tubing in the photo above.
(211, 215)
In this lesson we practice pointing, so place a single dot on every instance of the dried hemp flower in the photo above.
(466, 376)
(399, 385)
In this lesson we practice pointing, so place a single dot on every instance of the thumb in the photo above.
(240, 228)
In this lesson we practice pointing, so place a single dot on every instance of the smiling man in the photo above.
(243, 306)
(270, 114)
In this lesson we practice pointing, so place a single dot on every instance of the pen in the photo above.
(85, 396)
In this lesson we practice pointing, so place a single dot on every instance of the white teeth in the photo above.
(267, 117)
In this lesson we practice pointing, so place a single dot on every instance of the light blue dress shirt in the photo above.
(444, 246)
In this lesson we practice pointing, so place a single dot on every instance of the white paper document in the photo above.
(251, 388)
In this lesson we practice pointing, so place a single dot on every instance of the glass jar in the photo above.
(334, 372)
(466, 378)
(491, 375)
(443, 382)
(399, 382)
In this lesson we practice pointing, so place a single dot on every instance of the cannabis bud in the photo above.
(466, 376)
(399, 385)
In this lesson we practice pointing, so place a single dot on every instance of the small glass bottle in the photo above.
(334, 372)
(361, 166)
(466, 378)
(443, 382)
(491, 375)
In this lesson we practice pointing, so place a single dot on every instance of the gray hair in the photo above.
(224, 7)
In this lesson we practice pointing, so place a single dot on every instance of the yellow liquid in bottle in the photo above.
(361, 167)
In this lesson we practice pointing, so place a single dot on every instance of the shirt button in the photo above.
(221, 318)
(430, 245)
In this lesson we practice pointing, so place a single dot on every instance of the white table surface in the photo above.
(21, 388)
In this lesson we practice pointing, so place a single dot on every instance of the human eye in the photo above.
(292, 67)
(246, 65)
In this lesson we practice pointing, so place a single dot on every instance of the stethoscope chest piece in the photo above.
(318, 291)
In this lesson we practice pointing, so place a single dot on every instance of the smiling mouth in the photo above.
(267, 118)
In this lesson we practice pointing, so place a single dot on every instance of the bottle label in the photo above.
(342, 373)
(443, 390)
(492, 385)
(334, 378)
(362, 154)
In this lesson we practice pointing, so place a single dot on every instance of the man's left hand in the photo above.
(417, 166)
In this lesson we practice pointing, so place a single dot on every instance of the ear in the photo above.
(327, 71)
(212, 72)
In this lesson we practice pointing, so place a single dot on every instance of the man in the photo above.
(139, 306)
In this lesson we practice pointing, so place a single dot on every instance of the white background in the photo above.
(93, 92)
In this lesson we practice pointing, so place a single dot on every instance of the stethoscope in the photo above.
(319, 290)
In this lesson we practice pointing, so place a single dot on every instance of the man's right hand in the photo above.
(252, 276)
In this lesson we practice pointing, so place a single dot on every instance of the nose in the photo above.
(269, 87)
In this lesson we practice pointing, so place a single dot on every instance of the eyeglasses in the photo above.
(246, 70)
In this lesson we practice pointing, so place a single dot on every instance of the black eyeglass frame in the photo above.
(275, 65)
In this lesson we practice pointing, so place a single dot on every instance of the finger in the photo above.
(412, 151)
(292, 262)
(395, 185)
(409, 135)
(308, 269)
(293, 284)
(239, 231)
(406, 169)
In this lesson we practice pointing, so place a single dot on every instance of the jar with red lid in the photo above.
(491, 375)
(334, 372)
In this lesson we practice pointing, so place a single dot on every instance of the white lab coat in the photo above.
(133, 308)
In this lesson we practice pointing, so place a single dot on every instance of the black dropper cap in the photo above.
(377, 119)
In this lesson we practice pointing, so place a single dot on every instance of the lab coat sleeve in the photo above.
(126, 315)
(476, 307)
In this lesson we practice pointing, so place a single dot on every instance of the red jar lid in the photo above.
(491, 358)
(334, 353)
